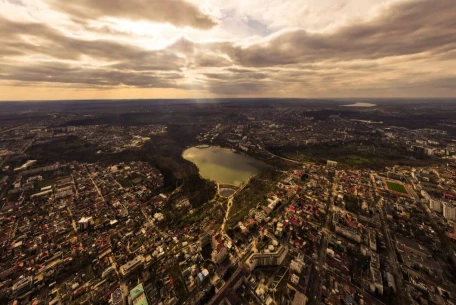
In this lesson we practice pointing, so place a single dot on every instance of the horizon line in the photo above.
(232, 98)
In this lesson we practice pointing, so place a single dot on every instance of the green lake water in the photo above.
(223, 165)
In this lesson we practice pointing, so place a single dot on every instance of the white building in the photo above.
(425, 195)
(132, 265)
(159, 216)
(267, 259)
(449, 211)
(331, 163)
(25, 166)
(436, 205)
(297, 265)
(84, 223)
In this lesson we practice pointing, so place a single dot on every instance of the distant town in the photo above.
(304, 202)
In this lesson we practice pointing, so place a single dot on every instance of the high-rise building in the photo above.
(449, 211)
(435, 205)
(267, 259)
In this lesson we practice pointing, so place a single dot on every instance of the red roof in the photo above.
(351, 224)
(220, 247)
(294, 221)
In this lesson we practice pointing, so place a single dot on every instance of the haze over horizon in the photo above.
(113, 49)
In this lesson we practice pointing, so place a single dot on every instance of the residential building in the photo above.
(267, 259)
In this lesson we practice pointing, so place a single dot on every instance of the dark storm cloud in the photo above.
(16, 2)
(67, 74)
(25, 38)
(200, 54)
(441, 82)
(125, 64)
(239, 87)
(177, 12)
(151, 60)
(239, 70)
(238, 81)
(55, 44)
(210, 60)
(237, 76)
(405, 28)
(404, 47)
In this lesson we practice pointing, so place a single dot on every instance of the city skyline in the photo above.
(212, 49)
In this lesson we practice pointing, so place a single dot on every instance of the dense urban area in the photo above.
(353, 205)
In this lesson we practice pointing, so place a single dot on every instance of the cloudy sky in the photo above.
(60, 49)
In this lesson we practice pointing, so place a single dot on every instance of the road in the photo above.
(14, 128)
(228, 209)
(230, 202)
(4, 161)
(392, 258)
(94, 184)
(3, 193)
(402, 294)
(316, 288)
(283, 158)
(150, 221)
(73, 223)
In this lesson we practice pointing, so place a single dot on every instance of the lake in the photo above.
(223, 165)
(360, 105)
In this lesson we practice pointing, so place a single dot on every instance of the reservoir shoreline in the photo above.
(222, 165)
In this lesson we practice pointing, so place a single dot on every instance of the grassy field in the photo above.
(354, 154)
(396, 187)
